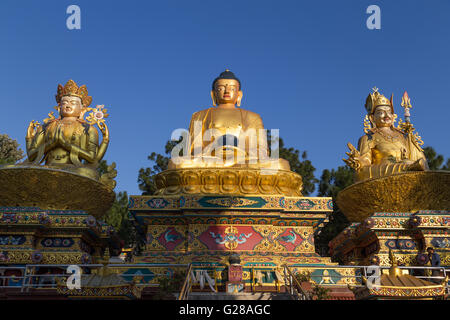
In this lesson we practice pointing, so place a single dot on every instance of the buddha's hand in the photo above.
(354, 158)
(32, 129)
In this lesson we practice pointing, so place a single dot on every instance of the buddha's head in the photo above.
(380, 109)
(226, 90)
(73, 101)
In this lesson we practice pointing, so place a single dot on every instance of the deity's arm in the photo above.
(196, 130)
(365, 151)
(91, 150)
(105, 142)
(415, 152)
(254, 121)
(35, 144)
(191, 124)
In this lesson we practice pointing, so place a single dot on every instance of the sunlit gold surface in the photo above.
(207, 126)
(69, 141)
(402, 192)
(385, 149)
(226, 181)
(49, 188)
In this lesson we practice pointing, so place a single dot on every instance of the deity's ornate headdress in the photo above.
(72, 89)
(376, 99)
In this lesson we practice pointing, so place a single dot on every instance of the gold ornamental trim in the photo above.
(48, 257)
(401, 192)
(407, 292)
(225, 181)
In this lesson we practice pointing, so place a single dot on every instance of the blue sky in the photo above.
(305, 66)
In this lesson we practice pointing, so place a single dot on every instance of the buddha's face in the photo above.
(383, 117)
(70, 106)
(226, 91)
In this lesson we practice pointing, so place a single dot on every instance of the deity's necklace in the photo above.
(388, 137)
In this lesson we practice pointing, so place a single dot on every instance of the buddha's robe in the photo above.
(236, 133)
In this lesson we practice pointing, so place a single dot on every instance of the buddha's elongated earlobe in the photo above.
(238, 101)
(213, 97)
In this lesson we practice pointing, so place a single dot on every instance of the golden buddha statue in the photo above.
(386, 149)
(225, 135)
(69, 142)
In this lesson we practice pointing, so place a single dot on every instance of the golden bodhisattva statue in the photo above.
(70, 142)
(386, 149)
(225, 135)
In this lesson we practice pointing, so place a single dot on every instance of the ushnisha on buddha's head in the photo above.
(380, 110)
(73, 101)
(226, 90)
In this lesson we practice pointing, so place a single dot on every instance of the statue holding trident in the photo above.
(386, 149)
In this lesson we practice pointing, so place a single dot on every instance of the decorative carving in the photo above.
(225, 181)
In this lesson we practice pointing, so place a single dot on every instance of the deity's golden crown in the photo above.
(376, 99)
(71, 89)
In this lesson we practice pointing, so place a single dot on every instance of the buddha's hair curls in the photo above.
(227, 74)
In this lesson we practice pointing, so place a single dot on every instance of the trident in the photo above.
(406, 103)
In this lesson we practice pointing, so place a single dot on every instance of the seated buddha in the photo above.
(225, 135)
(69, 142)
(385, 149)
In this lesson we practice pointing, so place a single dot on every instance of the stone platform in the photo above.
(208, 228)
(31, 235)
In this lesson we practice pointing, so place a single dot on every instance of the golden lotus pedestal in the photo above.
(203, 216)
(402, 192)
(242, 181)
(405, 212)
(49, 216)
(51, 188)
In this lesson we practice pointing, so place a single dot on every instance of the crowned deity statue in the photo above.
(70, 142)
(386, 149)
(226, 135)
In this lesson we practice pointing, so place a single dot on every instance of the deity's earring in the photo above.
(372, 122)
(213, 97)
(367, 124)
(238, 102)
